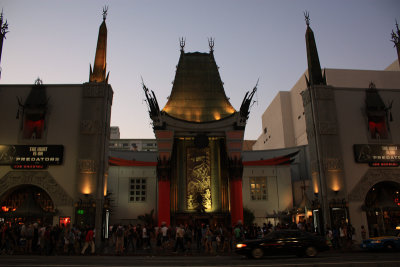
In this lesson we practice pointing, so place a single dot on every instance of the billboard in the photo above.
(31, 156)
(376, 153)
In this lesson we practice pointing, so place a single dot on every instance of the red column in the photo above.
(164, 190)
(164, 209)
(235, 189)
(236, 200)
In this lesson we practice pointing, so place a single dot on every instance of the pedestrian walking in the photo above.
(88, 242)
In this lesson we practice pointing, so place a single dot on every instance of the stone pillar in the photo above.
(93, 147)
(325, 150)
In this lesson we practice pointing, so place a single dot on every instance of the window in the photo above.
(258, 188)
(377, 127)
(378, 114)
(138, 189)
(33, 129)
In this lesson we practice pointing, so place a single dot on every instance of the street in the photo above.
(353, 259)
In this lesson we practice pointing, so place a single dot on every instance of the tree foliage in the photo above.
(248, 216)
(147, 218)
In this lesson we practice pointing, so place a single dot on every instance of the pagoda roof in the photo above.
(198, 94)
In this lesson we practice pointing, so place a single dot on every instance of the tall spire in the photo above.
(3, 31)
(315, 76)
(396, 40)
(99, 69)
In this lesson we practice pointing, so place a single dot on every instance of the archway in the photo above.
(382, 206)
(27, 203)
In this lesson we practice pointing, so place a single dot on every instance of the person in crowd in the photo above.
(188, 238)
(159, 239)
(89, 241)
(363, 232)
(208, 243)
(180, 233)
(165, 237)
(69, 241)
(145, 237)
(329, 236)
(130, 238)
(343, 235)
(237, 232)
(119, 243)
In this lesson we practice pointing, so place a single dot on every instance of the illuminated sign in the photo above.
(81, 212)
(384, 164)
(385, 155)
(64, 220)
(30, 156)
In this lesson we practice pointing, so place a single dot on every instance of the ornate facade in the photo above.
(199, 138)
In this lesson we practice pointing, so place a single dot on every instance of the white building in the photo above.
(349, 121)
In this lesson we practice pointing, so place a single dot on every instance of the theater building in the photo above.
(348, 120)
(200, 172)
(54, 148)
(273, 186)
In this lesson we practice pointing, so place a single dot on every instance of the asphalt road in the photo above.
(353, 259)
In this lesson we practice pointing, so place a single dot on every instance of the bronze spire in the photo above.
(197, 93)
(99, 69)
(315, 76)
(396, 40)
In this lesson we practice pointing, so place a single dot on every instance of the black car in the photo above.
(292, 242)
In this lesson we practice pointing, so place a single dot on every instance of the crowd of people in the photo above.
(32, 238)
(342, 235)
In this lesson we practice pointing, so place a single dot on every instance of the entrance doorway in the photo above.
(27, 203)
(382, 205)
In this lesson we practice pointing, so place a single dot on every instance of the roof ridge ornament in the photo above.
(211, 43)
(307, 18)
(372, 85)
(247, 102)
(105, 9)
(182, 43)
(4, 26)
(396, 35)
(38, 81)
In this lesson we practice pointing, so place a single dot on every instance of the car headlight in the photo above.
(376, 241)
(241, 245)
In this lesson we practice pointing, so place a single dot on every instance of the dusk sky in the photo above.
(56, 41)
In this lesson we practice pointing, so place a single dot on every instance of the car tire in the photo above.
(257, 253)
(311, 251)
(389, 247)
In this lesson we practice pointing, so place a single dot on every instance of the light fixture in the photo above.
(336, 191)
